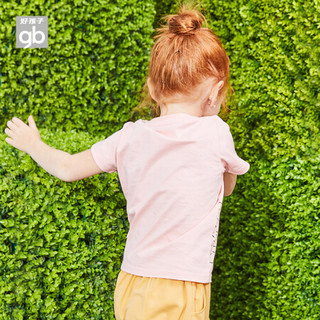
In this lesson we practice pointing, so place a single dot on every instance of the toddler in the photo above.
(174, 171)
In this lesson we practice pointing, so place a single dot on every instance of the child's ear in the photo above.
(215, 91)
(150, 86)
(221, 84)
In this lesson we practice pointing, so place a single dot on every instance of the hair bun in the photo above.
(186, 22)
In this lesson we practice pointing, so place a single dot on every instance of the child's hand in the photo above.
(59, 163)
(21, 135)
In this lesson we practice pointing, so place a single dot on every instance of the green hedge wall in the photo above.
(268, 260)
(89, 76)
(61, 244)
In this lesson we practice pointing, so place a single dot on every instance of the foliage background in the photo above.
(61, 243)
(89, 76)
(60, 250)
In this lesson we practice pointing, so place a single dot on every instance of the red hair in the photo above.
(184, 55)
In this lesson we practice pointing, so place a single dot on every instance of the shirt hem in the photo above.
(181, 276)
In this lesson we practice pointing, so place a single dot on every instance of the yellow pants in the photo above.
(141, 298)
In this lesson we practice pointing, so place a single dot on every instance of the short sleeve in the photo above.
(105, 152)
(232, 162)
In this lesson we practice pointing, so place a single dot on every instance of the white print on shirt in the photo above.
(214, 238)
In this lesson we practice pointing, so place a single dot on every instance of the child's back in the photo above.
(171, 171)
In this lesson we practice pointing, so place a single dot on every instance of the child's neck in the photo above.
(192, 109)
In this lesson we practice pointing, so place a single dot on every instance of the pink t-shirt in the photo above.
(171, 172)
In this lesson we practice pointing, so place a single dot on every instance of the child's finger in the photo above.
(9, 132)
(11, 142)
(32, 123)
(12, 126)
(17, 122)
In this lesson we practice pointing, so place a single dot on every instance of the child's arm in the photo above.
(230, 181)
(60, 164)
